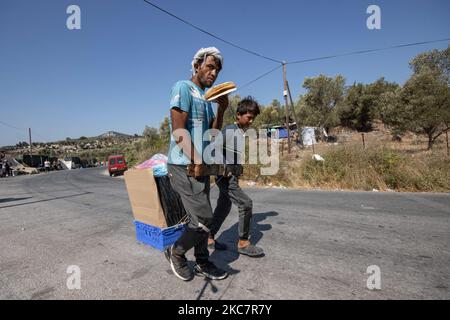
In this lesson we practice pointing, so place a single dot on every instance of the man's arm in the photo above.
(179, 120)
(223, 105)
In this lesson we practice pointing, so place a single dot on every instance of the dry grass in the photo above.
(378, 168)
(382, 165)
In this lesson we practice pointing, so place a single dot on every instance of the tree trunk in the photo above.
(430, 140)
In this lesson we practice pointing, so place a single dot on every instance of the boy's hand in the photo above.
(198, 172)
(195, 170)
(222, 102)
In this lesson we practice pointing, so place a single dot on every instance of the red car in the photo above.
(116, 164)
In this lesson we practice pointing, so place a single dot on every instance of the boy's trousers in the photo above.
(230, 192)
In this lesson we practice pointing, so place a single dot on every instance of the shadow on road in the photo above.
(231, 237)
(45, 200)
(202, 291)
(13, 199)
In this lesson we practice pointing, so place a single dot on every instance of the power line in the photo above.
(22, 130)
(292, 62)
(210, 34)
(261, 76)
(368, 51)
(297, 61)
(13, 127)
(346, 54)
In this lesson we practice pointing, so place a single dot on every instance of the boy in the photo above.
(230, 192)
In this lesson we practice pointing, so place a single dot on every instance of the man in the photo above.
(190, 117)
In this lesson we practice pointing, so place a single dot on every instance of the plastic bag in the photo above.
(171, 202)
(160, 170)
(158, 163)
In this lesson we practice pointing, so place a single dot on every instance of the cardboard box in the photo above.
(144, 198)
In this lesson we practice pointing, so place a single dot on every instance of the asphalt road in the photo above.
(318, 244)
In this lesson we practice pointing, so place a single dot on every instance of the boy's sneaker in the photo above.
(251, 251)
(179, 265)
(210, 271)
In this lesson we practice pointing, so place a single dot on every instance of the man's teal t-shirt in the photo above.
(188, 97)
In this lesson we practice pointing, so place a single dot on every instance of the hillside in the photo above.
(91, 149)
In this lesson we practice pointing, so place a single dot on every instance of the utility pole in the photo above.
(31, 147)
(285, 94)
(292, 104)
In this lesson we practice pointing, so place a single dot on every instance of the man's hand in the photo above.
(223, 105)
(222, 102)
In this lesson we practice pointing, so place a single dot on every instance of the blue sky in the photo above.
(117, 71)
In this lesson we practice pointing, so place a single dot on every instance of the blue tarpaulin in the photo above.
(282, 133)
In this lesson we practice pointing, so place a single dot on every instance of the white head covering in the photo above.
(203, 53)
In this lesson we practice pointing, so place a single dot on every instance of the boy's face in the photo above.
(245, 120)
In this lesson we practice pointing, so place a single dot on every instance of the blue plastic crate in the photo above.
(159, 238)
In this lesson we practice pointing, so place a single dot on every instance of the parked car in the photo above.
(117, 165)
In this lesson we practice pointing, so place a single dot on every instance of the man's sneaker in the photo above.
(251, 251)
(216, 245)
(179, 265)
(210, 271)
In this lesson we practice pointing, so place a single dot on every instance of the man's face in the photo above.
(207, 72)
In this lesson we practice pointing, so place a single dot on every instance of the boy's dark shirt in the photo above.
(236, 149)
